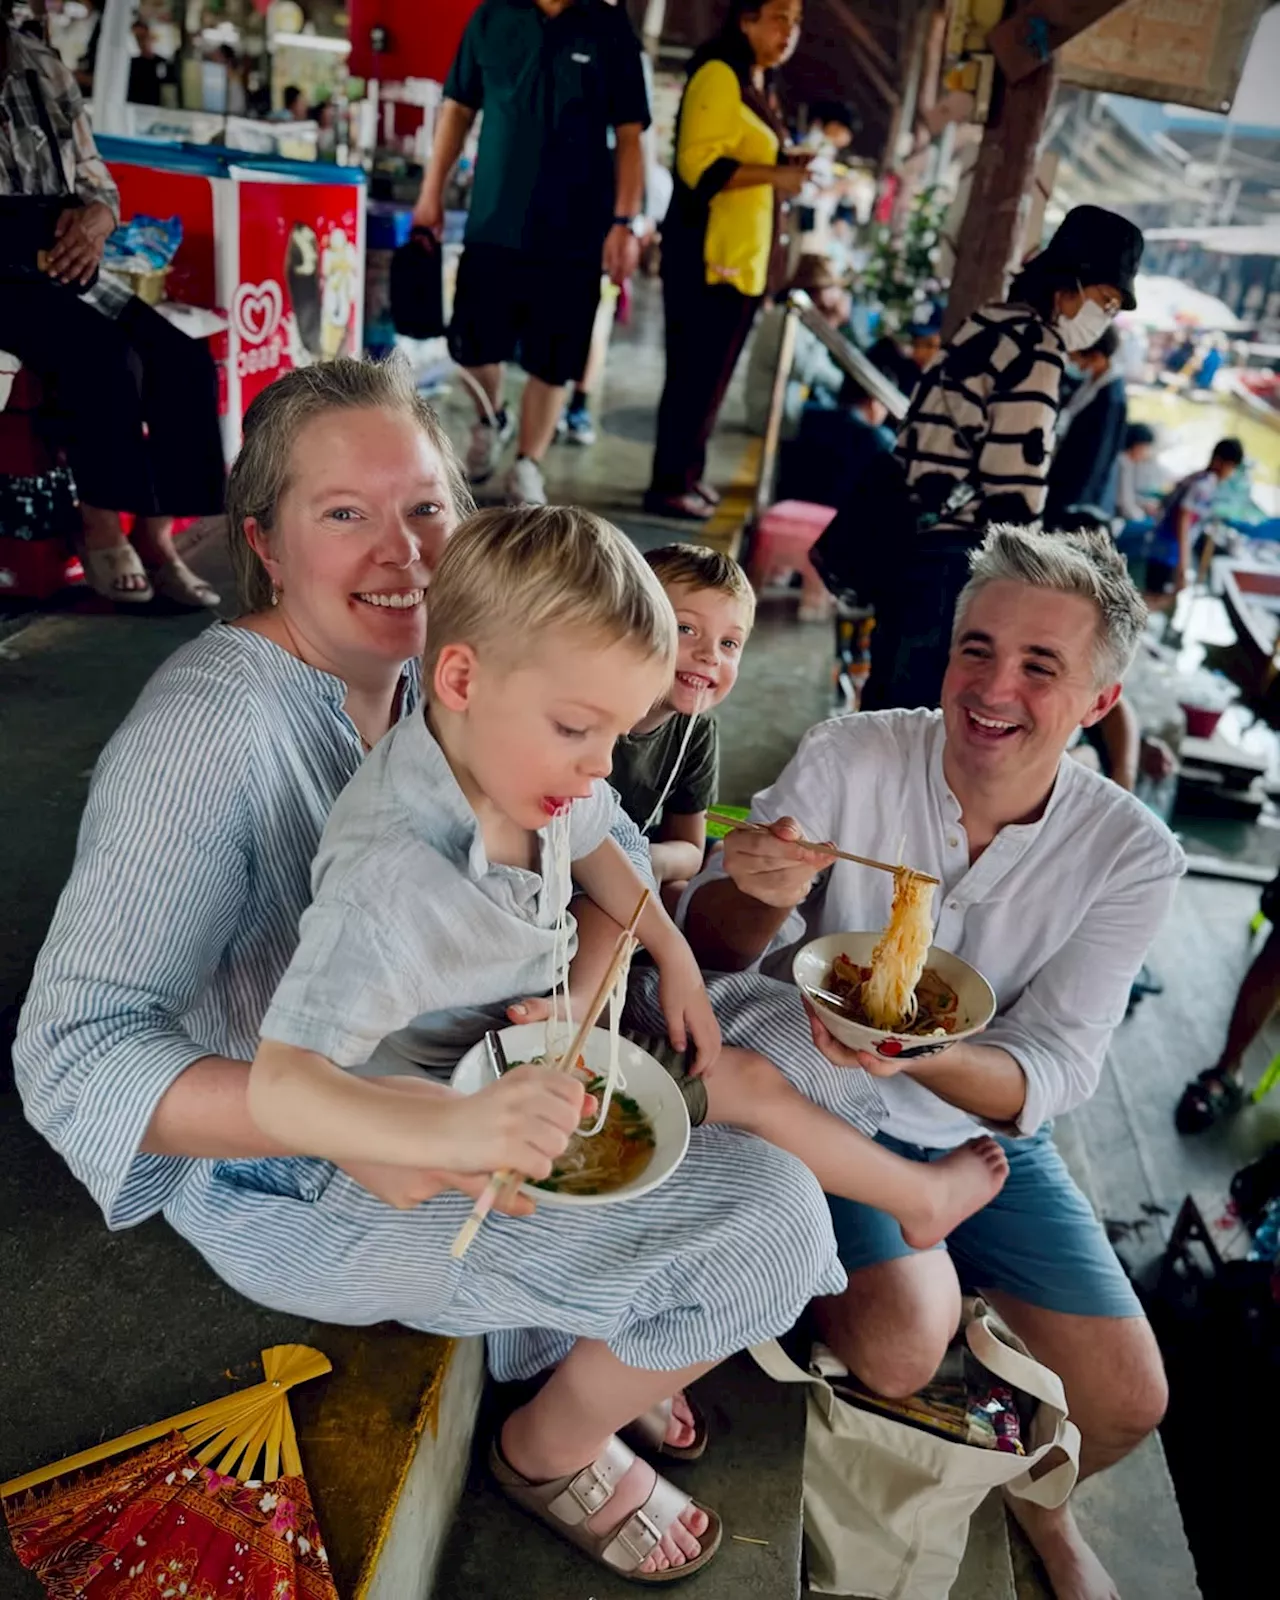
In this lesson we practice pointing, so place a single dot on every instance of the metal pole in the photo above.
(773, 422)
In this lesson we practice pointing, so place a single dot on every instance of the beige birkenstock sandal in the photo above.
(565, 1504)
(649, 1432)
(175, 582)
(104, 571)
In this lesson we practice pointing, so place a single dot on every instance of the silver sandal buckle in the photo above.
(591, 1490)
(639, 1536)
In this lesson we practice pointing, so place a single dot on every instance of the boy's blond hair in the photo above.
(510, 575)
(697, 567)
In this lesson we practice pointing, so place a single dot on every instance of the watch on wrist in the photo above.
(631, 224)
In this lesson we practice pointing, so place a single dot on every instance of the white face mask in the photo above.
(1085, 328)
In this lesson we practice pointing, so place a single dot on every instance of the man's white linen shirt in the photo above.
(1056, 914)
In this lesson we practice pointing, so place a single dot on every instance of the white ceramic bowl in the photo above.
(649, 1084)
(976, 1001)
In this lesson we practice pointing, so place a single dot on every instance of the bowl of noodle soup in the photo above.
(646, 1130)
(953, 999)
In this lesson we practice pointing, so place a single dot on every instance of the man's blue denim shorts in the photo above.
(1038, 1240)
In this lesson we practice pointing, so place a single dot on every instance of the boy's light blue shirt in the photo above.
(412, 932)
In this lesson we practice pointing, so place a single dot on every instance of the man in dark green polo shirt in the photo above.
(550, 200)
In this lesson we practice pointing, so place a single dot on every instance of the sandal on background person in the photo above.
(107, 572)
(1208, 1099)
(688, 507)
(704, 491)
(175, 582)
(565, 1505)
(649, 1431)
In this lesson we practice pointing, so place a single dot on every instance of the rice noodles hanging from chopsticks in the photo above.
(560, 1029)
(888, 997)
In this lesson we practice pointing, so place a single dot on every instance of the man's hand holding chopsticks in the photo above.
(770, 866)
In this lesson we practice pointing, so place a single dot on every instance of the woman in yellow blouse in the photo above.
(718, 236)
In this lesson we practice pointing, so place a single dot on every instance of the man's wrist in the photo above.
(631, 224)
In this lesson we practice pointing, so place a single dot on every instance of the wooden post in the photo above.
(1003, 176)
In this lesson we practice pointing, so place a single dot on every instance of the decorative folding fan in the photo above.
(181, 1513)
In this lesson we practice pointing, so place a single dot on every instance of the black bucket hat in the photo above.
(1099, 247)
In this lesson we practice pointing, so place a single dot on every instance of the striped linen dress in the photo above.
(180, 918)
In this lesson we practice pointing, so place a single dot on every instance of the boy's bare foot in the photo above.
(680, 1542)
(952, 1189)
(1073, 1569)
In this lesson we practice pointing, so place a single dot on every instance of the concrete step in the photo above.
(752, 1475)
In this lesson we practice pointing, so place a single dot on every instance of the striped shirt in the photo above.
(413, 932)
(29, 166)
(192, 872)
(984, 415)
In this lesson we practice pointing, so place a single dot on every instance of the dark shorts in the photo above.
(512, 306)
(693, 1091)
(1039, 1240)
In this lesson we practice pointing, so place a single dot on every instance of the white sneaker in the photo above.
(523, 484)
(488, 441)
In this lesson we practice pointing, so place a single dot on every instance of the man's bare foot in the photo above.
(680, 1542)
(952, 1189)
(1073, 1570)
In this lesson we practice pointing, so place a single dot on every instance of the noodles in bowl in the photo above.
(644, 1135)
(952, 999)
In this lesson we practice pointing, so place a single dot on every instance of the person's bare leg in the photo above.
(490, 379)
(928, 1199)
(101, 530)
(1116, 1393)
(540, 410)
(568, 1422)
(892, 1325)
(153, 540)
(1258, 997)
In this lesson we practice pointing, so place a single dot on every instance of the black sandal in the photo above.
(1208, 1099)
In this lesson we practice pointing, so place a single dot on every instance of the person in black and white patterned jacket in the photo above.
(978, 440)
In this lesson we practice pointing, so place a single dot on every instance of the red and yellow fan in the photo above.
(180, 1507)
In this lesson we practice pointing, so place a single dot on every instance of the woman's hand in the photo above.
(81, 232)
(407, 1187)
(771, 867)
(790, 177)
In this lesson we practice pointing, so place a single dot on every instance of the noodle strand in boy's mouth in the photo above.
(674, 773)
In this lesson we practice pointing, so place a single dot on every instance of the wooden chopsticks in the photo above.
(807, 844)
(504, 1184)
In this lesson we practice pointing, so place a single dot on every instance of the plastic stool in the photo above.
(781, 542)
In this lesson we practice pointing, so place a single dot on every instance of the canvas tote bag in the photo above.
(886, 1505)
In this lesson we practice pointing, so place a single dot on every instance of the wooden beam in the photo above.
(858, 36)
(1003, 175)
(858, 28)
(1026, 40)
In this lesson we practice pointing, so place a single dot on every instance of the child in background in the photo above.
(666, 770)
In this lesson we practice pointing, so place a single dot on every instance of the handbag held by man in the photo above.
(887, 1504)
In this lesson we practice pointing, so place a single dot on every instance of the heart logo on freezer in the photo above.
(256, 310)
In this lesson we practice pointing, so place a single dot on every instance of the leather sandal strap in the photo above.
(640, 1534)
(592, 1489)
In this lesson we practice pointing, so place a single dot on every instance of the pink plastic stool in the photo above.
(781, 543)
